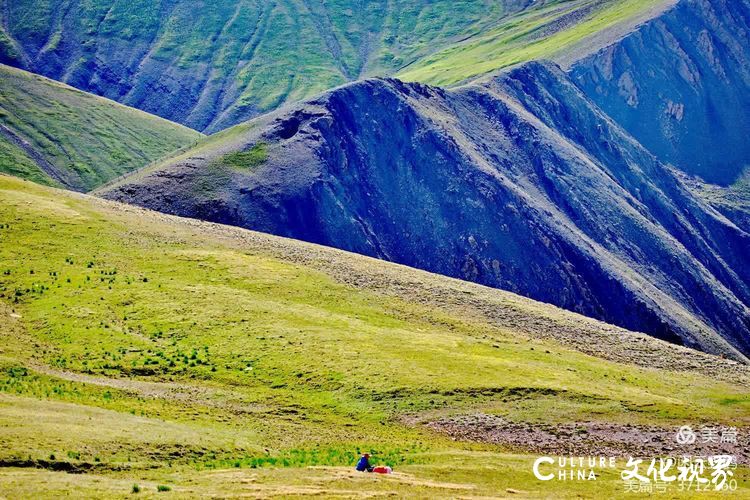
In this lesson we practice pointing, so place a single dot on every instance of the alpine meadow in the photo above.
(345, 249)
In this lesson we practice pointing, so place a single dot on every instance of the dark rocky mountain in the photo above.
(520, 183)
(680, 84)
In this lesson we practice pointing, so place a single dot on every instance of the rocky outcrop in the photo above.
(680, 84)
(520, 183)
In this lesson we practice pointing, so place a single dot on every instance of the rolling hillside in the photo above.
(210, 65)
(463, 183)
(385, 245)
(219, 361)
(56, 135)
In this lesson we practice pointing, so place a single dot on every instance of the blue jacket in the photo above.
(363, 464)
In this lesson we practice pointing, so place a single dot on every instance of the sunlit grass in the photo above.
(283, 365)
(515, 41)
(87, 139)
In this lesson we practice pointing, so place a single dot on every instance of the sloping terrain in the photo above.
(210, 65)
(54, 134)
(146, 353)
(464, 183)
(680, 85)
(558, 31)
(219, 361)
(732, 201)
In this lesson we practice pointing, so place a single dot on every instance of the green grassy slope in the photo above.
(15, 161)
(212, 65)
(54, 134)
(228, 58)
(548, 32)
(218, 361)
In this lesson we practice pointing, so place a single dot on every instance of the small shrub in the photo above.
(163, 487)
(136, 488)
(253, 157)
(17, 372)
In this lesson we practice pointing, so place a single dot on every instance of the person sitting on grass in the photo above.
(364, 463)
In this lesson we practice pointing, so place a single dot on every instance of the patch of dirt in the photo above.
(587, 438)
(329, 482)
(333, 474)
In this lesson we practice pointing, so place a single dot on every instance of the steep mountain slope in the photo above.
(54, 134)
(194, 347)
(733, 201)
(520, 183)
(210, 65)
(560, 31)
(681, 85)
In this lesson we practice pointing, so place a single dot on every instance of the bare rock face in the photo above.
(521, 183)
(680, 84)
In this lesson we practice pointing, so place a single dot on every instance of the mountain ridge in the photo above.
(505, 309)
(507, 267)
(308, 186)
(680, 85)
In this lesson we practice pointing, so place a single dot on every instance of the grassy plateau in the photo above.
(176, 357)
